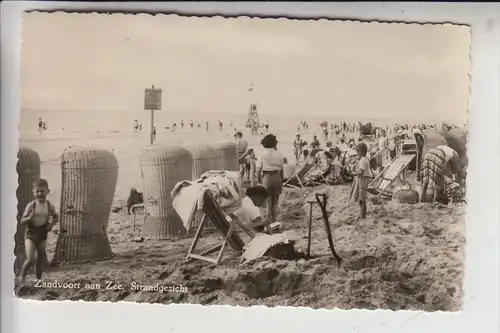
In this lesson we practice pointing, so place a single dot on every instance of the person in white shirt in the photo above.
(363, 173)
(270, 173)
(383, 143)
(249, 212)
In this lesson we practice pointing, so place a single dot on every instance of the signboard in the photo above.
(152, 99)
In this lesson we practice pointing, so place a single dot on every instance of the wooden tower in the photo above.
(253, 121)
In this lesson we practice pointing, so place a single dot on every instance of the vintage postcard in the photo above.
(242, 161)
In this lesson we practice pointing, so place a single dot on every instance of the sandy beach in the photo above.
(91, 90)
(400, 257)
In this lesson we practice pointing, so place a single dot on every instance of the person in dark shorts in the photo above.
(270, 173)
(40, 216)
(242, 147)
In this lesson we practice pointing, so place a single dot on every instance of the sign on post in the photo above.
(152, 99)
(152, 102)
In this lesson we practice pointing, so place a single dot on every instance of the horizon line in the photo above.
(227, 113)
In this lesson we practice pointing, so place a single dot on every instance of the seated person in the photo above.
(315, 143)
(249, 212)
(288, 169)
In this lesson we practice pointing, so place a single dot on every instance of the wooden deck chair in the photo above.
(224, 224)
(297, 180)
(395, 170)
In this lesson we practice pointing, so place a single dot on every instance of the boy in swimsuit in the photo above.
(40, 216)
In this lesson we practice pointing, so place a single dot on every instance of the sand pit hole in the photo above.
(269, 282)
(258, 284)
(361, 263)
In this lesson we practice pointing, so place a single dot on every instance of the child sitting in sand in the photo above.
(249, 213)
(362, 173)
(37, 216)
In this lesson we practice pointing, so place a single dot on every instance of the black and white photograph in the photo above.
(242, 161)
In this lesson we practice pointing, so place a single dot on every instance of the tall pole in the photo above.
(152, 123)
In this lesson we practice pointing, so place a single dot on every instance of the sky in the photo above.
(322, 68)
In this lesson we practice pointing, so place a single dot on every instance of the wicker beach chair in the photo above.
(89, 179)
(162, 167)
(228, 155)
(205, 158)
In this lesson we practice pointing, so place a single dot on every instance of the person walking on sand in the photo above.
(136, 125)
(242, 146)
(40, 216)
(362, 173)
(270, 173)
(297, 148)
(206, 126)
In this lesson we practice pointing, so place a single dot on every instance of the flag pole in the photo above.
(151, 139)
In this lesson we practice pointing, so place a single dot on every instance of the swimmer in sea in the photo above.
(40, 216)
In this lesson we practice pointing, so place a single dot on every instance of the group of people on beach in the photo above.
(370, 158)
(266, 176)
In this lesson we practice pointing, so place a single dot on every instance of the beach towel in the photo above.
(433, 176)
(187, 196)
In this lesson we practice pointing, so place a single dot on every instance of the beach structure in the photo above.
(162, 167)
(228, 155)
(456, 138)
(28, 172)
(89, 179)
(253, 117)
(205, 158)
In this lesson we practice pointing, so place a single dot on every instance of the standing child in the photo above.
(37, 216)
(392, 149)
(250, 166)
(363, 173)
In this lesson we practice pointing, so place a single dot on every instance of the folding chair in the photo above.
(395, 170)
(297, 180)
(224, 224)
